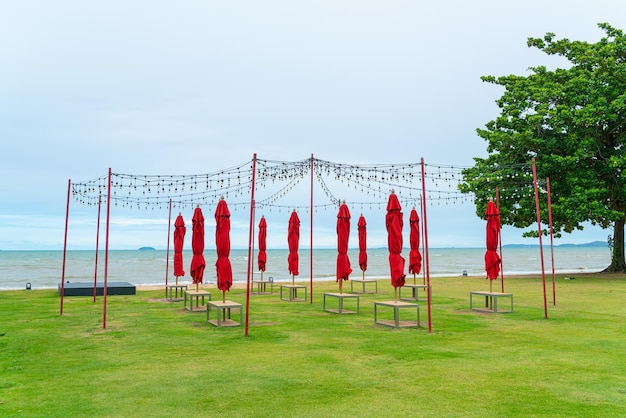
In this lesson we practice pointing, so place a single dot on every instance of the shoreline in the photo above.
(243, 285)
(152, 268)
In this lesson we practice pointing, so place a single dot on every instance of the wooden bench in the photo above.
(340, 297)
(396, 306)
(491, 301)
(261, 286)
(363, 282)
(292, 290)
(414, 288)
(171, 287)
(199, 306)
(224, 309)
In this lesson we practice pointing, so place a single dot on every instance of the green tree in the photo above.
(572, 121)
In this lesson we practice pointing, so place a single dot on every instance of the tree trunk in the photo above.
(618, 264)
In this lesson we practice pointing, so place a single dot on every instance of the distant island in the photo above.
(601, 244)
(146, 249)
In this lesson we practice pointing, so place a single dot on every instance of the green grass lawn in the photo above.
(156, 359)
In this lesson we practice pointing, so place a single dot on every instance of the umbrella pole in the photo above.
(490, 286)
(261, 275)
(414, 279)
(293, 280)
(223, 296)
(340, 286)
(395, 294)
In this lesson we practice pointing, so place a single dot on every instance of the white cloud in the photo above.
(195, 86)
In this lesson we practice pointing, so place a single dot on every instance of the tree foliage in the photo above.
(572, 121)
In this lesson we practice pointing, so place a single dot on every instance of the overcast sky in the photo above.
(168, 87)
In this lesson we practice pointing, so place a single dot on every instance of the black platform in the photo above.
(86, 289)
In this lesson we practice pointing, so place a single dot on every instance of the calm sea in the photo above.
(43, 269)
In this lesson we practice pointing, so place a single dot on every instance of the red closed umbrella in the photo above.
(179, 240)
(222, 244)
(492, 258)
(394, 224)
(343, 234)
(197, 246)
(362, 228)
(293, 238)
(262, 245)
(415, 258)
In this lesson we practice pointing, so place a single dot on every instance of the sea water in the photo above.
(45, 269)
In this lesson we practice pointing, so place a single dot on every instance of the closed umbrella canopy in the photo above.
(222, 244)
(197, 246)
(492, 258)
(394, 224)
(293, 239)
(262, 244)
(179, 240)
(362, 228)
(343, 235)
(415, 258)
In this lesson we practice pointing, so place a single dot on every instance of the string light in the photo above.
(279, 179)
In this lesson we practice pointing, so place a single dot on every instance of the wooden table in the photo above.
(224, 311)
(414, 288)
(491, 301)
(341, 297)
(293, 292)
(397, 306)
(261, 286)
(363, 282)
(170, 287)
(189, 294)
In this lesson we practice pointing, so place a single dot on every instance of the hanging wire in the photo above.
(280, 178)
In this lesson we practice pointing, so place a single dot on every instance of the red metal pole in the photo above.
(423, 237)
(106, 253)
(543, 270)
(95, 273)
(426, 264)
(167, 252)
(311, 235)
(500, 238)
(251, 261)
(551, 241)
(67, 215)
(250, 241)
